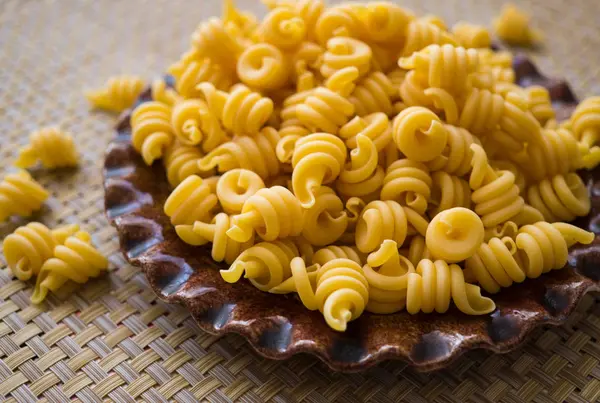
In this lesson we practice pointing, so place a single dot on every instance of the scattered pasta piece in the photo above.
(51, 146)
(118, 94)
(513, 27)
(20, 195)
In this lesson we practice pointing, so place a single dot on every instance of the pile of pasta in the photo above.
(365, 158)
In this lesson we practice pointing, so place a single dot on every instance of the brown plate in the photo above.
(278, 326)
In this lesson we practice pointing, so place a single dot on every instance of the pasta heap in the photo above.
(364, 159)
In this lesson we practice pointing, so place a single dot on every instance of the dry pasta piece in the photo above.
(266, 264)
(241, 111)
(219, 41)
(253, 153)
(272, 212)
(318, 160)
(326, 220)
(374, 94)
(51, 146)
(263, 66)
(193, 69)
(454, 234)
(161, 93)
(386, 23)
(375, 126)
(481, 112)
(421, 33)
(505, 165)
(437, 283)
(456, 157)
(506, 229)
(192, 200)
(235, 187)
(309, 11)
(340, 20)
(118, 94)
(540, 104)
(345, 52)
(448, 191)
(586, 121)
(77, 260)
(331, 252)
(517, 121)
(29, 246)
(246, 22)
(151, 130)
(417, 250)
(223, 247)
(386, 272)
(186, 121)
(445, 102)
(512, 26)
(419, 134)
(409, 183)
(283, 27)
(560, 198)
(20, 195)
(362, 176)
(471, 35)
(495, 195)
(326, 107)
(558, 152)
(181, 161)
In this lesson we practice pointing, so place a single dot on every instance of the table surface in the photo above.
(113, 340)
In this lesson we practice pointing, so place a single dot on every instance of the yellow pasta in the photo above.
(375, 126)
(77, 260)
(235, 187)
(340, 20)
(193, 69)
(558, 152)
(506, 229)
(253, 153)
(331, 252)
(435, 284)
(412, 92)
(586, 121)
(151, 130)
(456, 157)
(505, 165)
(448, 191)
(540, 104)
(192, 200)
(20, 195)
(388, 282)
(481, 112)
(345, 52)
(263, 66)
(218, 41)
(161, 93)
(512, 26)
(374, 94)
(185, 119)
(471, 35)
(453, 235)
(517, 121)
(386, 23)
(362, 176)
(318, 160)
(326, 220)
(417, 250)
(560, 198)
(51, 146)
(409, 183)
(272, 212)
(283, 27)
(419, 134)
(421, 33)
(215, 232)
(31, 245)
(118, 94)
(181, 161)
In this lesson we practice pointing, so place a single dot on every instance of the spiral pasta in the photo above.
(340, 20)
(151, 130)
(318, 160)
(419, 134)
(412, 92)
(375, 126)
(456, 157)
(223, 247)
(192, 200)
(558, 152)
(387, 283)
(540, 104)
(453, 235)
(471, 35)
(437, 283)
(253, 153)
(409, 183)
(166, 95)
(331, 252)
(586, 121)
(283, 27)
(448, 191)
(346, 52)
(417, 249)
(185, 120)
(51, 146)
(560, 198)
(495, 195)
(373, 94)
(386, 23)
(272, 212)
(118, 94)
(512, 26)
(362, 176)
(218, 41)
(517, 121)
(326, 107)
(194, 69)
(181, 161)
(77, 260)
(263, 66)
(326, 220)
(235, 187)
(421, 33)
(20, 195)
(481, 112)
(29, 246)
(506, 229)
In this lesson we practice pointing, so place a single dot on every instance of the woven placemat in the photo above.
(113, 340)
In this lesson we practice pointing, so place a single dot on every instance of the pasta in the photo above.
(272, 212)
(51, 146)
(471, 35)
(151, 130)
(161, 93)
(192, 200)
(331, 252)
(181, 161)
(362, 176)
(437, 283)
(373, 94)
(223, 247)
(417, 250)
(185, 119)
(448, 191)
(540, 104)
(506, 229)
(318, 160)
(453, 235)
(194, 69)
(340, 20)
(409, 183)
(326, 220)
(412, 91)
(558, 152)
(31, 245)
(375, 126)
(421, 33)
(512, 26)
(118, 94)
(386, 23)
(455, 158)
(253, 153)
(20, 195)
(586, 121)
(560, 198)
(77, 260)
(482, 111)
(263, 66)
(419, 134)
(283, 28)
(218, 41)
(235, 187)
(346, 52)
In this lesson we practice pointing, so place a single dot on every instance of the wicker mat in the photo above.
(113, 340)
